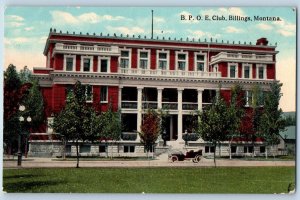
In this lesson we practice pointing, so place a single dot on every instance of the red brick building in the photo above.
(133, 73)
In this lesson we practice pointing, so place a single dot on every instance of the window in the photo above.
(232, 70)
(104, 64)
(248, 149)
(181, 61)
(163, 62)
(102, 149)
(85, 148)
(128, 149)
(89, 93)
(68, 148)
(262, 149)
(125, 59)
(261, 72)
(69, 63)
(86, 63)
(247, 71)
(248, 98)
(144, 59)
(200, 61)
(209, 149)
(103, 94)
(233, 149)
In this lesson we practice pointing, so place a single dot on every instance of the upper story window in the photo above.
(104, 64)
(125, 60)
(144, 59)
(261, 71)
(232, 70)
(181, 61)
(200, 62)
(86, 63)
(69, 63)
(163, 60)
(247, 71)
(104, 94)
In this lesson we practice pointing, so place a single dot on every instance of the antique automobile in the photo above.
(178, 155)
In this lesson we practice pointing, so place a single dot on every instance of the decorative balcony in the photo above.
(169, 73)
(129, 104)
(169, 105)
(239, 57)
(189, 106)
(149, 105)
(84, 49)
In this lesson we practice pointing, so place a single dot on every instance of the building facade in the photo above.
(136, 73)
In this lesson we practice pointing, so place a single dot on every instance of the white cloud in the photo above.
(16, 40)
(159, 20)
(126, 30)
(232, 29)
(264, 26)
(29, 28)
(60, 17)
(14, 18)
(21, 58)
(202, 34)
(14, 24)
(224, 11)
(285, 28)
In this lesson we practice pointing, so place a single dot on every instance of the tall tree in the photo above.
(214, 123)
(150, 129)
(14, 94)
(111, 126)
(235, 114)
(76, 120)
(271, 121)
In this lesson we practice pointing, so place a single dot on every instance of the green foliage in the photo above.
(111, 124)
(271, 121)
(290, 120)
(150, 129)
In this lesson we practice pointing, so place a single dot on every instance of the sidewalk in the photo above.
(49, 163)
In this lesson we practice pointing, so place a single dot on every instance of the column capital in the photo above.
(159, 88)
(140, 87)
(200, 89)
(121, 86)
(180, 89)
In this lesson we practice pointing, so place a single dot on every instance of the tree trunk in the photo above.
(77, 154)
(215, 156)
(266, 152)
(219, 149)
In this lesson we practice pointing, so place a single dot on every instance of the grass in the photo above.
(150, 180)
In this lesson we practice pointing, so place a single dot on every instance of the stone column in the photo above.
(179, 122)
(139, 111)
(159, 98)
(120, 97)
(200, 91)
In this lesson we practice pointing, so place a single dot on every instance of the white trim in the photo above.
(92, 92)
(265, 71)
(148, 58)
(65, 63)
(91, 63)
(108, 58)
(186, 60)
(204, 61)
(250, 70)
(247, 98)
(49, 124)
(129, 56)
(167, 59)
(236, 70)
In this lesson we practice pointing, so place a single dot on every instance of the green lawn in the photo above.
(150, 180)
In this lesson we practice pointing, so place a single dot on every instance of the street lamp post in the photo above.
(21, 119)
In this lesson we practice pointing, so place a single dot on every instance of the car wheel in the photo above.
(197, 159)
(174, 158)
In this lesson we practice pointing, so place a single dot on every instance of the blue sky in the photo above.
(26, 30)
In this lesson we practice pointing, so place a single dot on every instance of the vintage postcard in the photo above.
(172, 100)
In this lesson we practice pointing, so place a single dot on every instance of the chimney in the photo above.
(262, 42)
